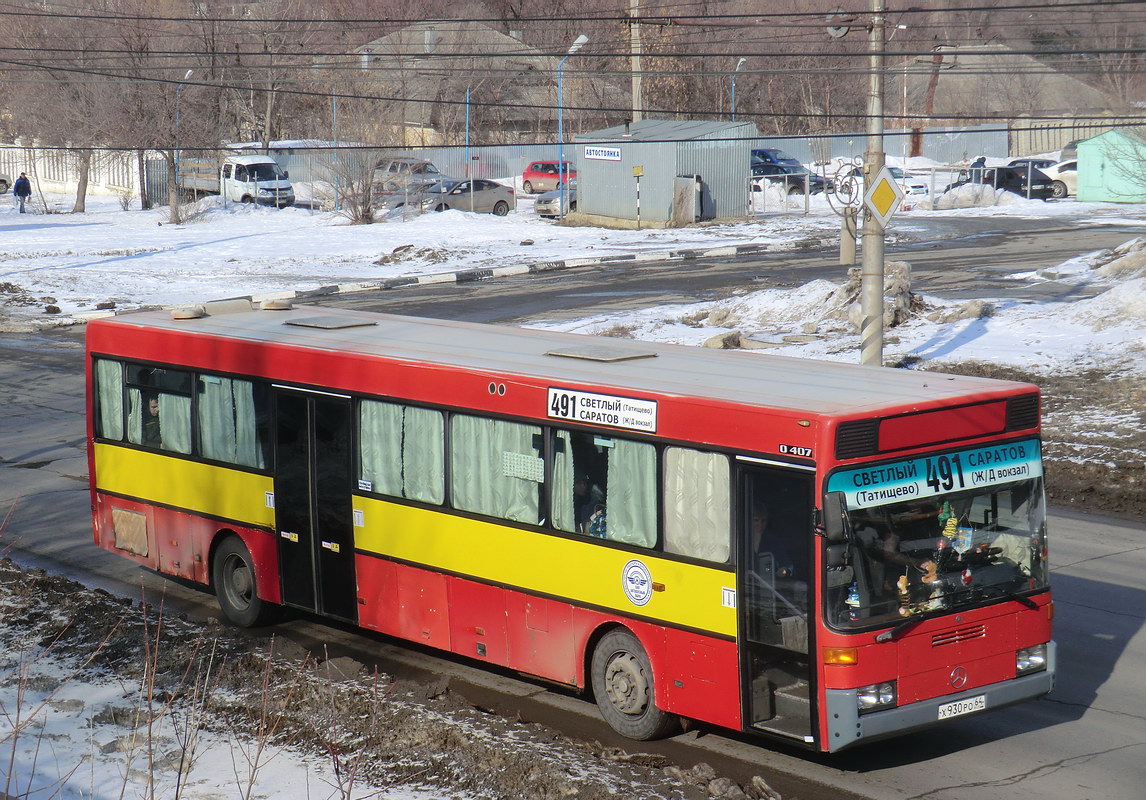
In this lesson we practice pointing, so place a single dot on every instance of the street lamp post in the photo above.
(739, 64)
(562, 174)
(178, 151)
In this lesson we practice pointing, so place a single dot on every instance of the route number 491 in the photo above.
(943, 472)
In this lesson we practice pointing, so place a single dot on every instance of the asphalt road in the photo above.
(1087, 740)
(976, 264)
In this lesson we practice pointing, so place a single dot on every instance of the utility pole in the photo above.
(871, 267)
(635, 58)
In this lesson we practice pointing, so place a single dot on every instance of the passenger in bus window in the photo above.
(771, 542)
(152, 436)
(777, 558)
(588, 506)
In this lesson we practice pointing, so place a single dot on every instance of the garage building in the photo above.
(690, 171)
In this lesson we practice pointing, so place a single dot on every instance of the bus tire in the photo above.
(623, 687)
(233, 576)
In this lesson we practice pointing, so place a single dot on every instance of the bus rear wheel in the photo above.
(233, 574)
(624, 690)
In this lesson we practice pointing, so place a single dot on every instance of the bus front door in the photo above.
(313, 515)
(775, 507)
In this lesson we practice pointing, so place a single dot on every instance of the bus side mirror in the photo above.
(836, 556)
(837, 528)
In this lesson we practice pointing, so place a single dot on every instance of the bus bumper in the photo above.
(847, 727)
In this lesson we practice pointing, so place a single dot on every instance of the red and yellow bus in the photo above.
(820, 553)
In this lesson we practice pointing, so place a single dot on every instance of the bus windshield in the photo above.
(944, 551)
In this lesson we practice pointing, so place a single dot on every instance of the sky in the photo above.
(136, 259)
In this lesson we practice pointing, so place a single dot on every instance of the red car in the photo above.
(542, 176)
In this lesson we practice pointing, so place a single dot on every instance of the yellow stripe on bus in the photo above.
(189, 485)
(582, 571)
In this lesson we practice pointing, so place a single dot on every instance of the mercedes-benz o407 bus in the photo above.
(819, 553)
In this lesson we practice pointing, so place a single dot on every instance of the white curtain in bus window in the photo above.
(697, 511)
(631, 496)
(109, 399)
(227, 424)
(561, 485)
(401, 451)
(495, 468)
(170, 429)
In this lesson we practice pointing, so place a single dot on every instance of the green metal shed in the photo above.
(1112, 167)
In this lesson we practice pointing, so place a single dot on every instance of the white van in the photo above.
(255, 179)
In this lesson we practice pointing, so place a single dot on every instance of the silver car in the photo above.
(549, 204)
(476, 194)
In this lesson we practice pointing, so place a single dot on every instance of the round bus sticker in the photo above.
(637, 582)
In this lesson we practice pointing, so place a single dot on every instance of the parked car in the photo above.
(1022, 181)
(543, 176)
(402, 173)
(411, 197)
(550, 204)
(1027, 161)
(792, 178)
(772, 155)
(912, 185)
(5, 184)
(472, 195)
(1064, 178)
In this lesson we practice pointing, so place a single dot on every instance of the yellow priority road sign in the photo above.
(883, 197)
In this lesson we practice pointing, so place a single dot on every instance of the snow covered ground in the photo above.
(131, 259)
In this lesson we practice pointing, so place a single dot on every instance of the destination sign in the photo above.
(603, 409)
(919, 478)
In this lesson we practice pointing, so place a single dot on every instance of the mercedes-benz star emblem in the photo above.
(959, 677)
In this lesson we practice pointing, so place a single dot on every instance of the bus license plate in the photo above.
(960, 707)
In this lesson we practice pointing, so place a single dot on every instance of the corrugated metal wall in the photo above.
(943, 145)
(724, 168)
(1028, 137)
(714, 151)
(608, 187)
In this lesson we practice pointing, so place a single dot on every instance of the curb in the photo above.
(480, 274)
(537, 268)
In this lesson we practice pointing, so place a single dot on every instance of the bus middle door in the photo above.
(313, 513)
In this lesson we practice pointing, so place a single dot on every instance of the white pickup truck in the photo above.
(241, 179)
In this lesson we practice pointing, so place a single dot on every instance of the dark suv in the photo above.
(1023, 181)
(791, 177)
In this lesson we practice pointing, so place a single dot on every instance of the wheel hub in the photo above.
(626, 685)
(240, 580)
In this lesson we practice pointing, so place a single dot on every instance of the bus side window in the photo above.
(401, 451)
(698, 511)
(159, 408)
(108, 398)
(496, 468)
(604, 487)
(232, 416)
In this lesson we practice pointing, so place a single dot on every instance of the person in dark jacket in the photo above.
(22, 189)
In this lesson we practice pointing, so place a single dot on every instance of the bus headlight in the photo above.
(875, 697)
(1031, 659)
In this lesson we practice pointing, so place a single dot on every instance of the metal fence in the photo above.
(115, 171)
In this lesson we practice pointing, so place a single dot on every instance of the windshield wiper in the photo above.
(900, 629)
(1018, 598)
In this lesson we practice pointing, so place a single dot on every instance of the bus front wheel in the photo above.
(623, 687)
(233, 573)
